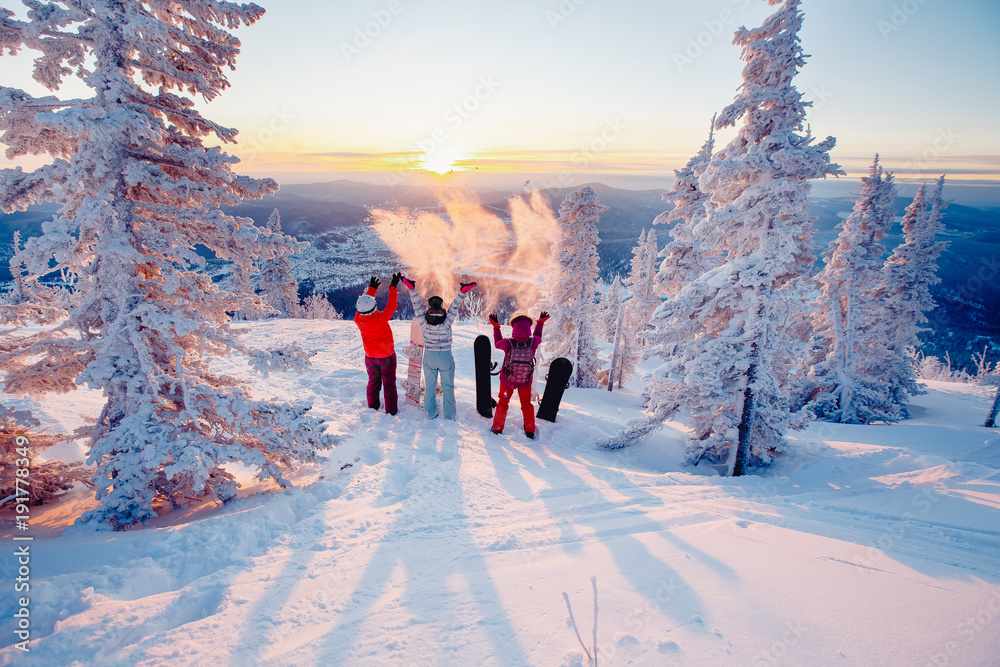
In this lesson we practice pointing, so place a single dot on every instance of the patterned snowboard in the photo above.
(415, 351)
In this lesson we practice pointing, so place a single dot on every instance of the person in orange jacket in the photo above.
(380, 349)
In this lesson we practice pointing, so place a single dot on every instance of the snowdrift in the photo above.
(439, 543)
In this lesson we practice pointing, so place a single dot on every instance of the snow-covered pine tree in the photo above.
(851, 321)
(684, 258)
(278, 288)
(640, 284)
(240, 284)
(138, 190)
(726, 379)
(613, 297)
(18, 291)
(317, 306)
(907, 277)
(570, 285)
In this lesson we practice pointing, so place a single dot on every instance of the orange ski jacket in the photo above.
(376, 336)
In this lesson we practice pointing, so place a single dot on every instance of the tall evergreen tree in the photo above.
(851, 321)
(684, 257)
(726, 379)
(570, 287)
(138, 191)
(278, 288)
(907, 277)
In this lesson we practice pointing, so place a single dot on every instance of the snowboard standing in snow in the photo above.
(415, 351)
(483, 350)
(555, 384)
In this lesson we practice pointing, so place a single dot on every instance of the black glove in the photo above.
(374, 282)
(494, 321)
(466, 287)
(395, 279)
(544, 316)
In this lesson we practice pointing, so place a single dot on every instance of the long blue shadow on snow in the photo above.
(615, 526)
(432, 546)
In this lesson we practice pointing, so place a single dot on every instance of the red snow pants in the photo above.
(503, 402)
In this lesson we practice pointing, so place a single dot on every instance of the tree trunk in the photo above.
(614, 346)
(743, 443)
(991, 420)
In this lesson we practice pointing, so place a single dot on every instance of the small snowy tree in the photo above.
(684, 257)
(18, 292)
(727, 379)
(317, 306)
(907, 277)
(138, 191)
(851, 321)
(612, 300)
(20, 447)
(239, 283)
(570, 286)
(640, 284)
(278, 288)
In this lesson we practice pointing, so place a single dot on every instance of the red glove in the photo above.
(494, 321)
(409, 283)
(466, 287)
(543, 317)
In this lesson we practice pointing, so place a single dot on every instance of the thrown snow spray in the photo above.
(506, 252)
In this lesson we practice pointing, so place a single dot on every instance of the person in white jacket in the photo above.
(435, 323)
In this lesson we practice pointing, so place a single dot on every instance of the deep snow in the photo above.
(433, 542)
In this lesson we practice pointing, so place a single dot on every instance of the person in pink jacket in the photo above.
(518, 368)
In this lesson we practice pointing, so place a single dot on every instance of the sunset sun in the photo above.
(442, 160)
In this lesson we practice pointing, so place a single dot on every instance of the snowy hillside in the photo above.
(438, 543)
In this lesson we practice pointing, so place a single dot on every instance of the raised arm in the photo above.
(453, 309)
(418, 304)
(536, 339)
(499, 341)
(390, 308)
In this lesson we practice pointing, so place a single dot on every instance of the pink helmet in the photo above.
(521, 326)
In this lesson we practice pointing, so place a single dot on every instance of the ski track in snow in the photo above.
(435, 542)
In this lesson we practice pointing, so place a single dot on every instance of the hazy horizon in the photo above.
(527, 90)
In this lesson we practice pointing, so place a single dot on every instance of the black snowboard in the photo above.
(483, 349)
(555, 384)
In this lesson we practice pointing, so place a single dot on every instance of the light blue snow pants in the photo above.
(435, 362)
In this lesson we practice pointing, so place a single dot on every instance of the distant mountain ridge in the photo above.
(334, 218)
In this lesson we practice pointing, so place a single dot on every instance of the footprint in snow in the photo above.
(396, 479)
(669, 646)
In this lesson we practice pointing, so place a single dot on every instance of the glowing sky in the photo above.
(594, 86)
